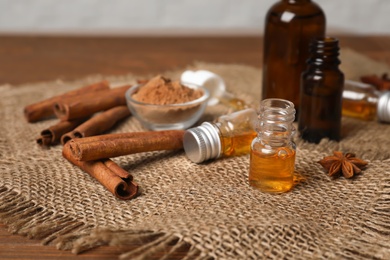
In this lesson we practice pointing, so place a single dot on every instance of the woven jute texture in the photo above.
(203, 211)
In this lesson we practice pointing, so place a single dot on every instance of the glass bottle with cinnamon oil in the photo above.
(289, 27)
(272, 157)
(321, 92)
(230, 135)
(365, 102)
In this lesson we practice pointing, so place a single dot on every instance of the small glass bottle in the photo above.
(229, 100)
(365, 102)
(216, 87)
(230, 135)
(290, 25)
(321, 93)
(272, 157)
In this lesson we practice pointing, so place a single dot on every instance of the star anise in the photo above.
(347, 164)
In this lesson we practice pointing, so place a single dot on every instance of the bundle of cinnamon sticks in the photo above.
(87, 111)
(84, 114)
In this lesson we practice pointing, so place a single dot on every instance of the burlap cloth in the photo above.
(204, 211)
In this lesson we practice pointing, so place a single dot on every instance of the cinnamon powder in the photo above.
(163, 91)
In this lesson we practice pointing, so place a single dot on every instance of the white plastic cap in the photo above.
(209, 80)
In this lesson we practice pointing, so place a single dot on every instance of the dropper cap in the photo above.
(202, 143)
(383, 109)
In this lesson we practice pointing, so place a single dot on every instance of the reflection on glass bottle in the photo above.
(289, 28)
(231, 135)
(364, 101)
(272, 158)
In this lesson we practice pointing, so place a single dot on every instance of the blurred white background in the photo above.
(176, 17)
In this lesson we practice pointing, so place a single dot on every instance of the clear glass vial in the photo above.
(272, 156)
(230, 135)
(365, 102)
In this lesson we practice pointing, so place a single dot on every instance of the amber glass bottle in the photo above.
(289, 27)
(321, 92)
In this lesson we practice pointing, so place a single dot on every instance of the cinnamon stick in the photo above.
(113, 145)
(98, 124)
(53, 134)
(115, 179)
(381, 83)
(110, 137)
(43, 109)
(88, 104)
(105, 137)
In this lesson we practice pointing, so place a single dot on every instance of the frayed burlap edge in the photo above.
(24, 217)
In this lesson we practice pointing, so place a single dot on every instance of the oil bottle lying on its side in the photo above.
(365, 102)
(231, 135)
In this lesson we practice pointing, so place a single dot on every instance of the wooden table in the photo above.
(31, 59)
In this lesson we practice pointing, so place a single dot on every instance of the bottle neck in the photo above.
(324, 52)
(239, 122)
(276, 119)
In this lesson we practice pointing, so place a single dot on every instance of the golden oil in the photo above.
(359, 109)
(237, 144)
(272, 172)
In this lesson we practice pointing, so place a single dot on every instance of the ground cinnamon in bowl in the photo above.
(162, 104)
(163, 91)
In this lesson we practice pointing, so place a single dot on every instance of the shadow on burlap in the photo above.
(197, 211)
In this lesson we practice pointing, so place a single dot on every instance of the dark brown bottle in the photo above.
(289, 27)
(321, 92)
